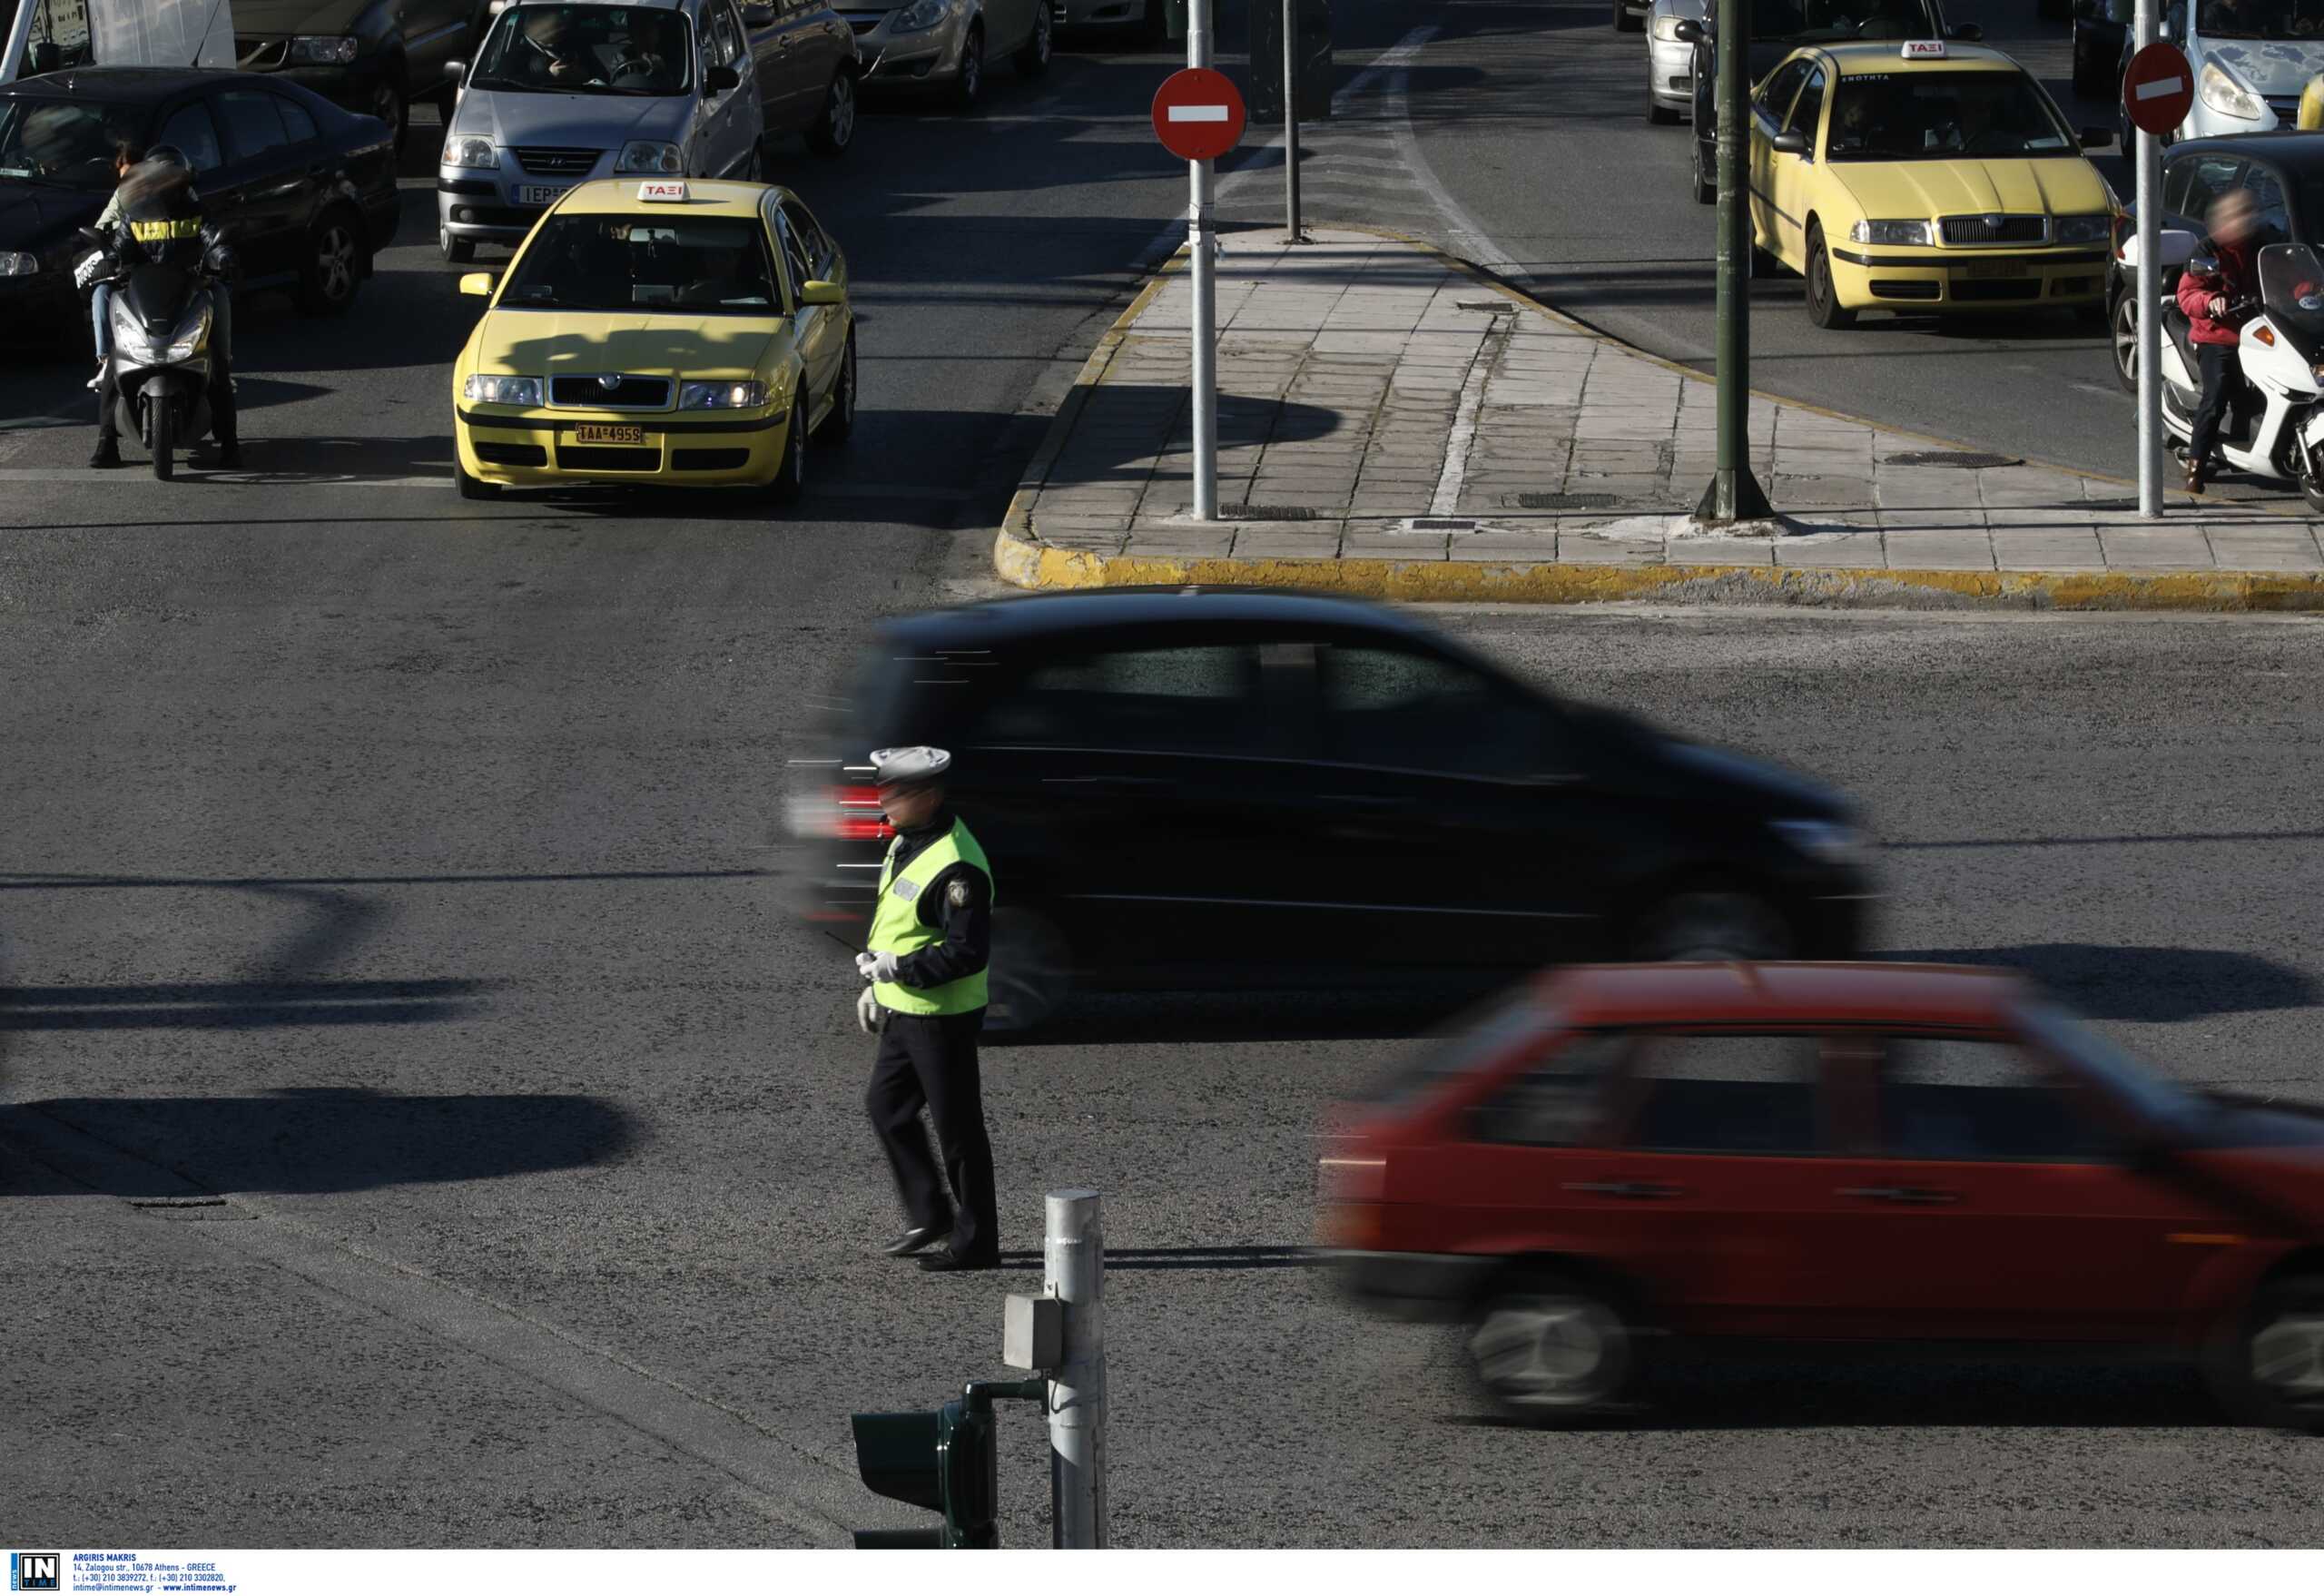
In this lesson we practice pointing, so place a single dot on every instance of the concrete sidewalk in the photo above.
(1393, 422)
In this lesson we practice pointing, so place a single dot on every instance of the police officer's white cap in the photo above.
(898, 766)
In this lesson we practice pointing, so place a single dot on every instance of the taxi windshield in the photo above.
(586, 49)
(1944, 116)
(1807, 21)
(2262, 19)
(64, 142)
(712, 264)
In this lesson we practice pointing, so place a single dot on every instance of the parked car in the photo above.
(1670, 60)
(306, 190)
(2101, 31)
(808, 72)
(375, 56)
(565, 91)
(1193, 788)
(1859, 1153)
(946, 44)
(2250, 63)
(1143, 20)
(2282, 172)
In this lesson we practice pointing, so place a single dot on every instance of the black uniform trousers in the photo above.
(932, 1058)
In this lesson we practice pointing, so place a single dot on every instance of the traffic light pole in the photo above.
(1291, 233)
(1734, 494)
(1205, 294)
(2147, 160)
(1073, 1271)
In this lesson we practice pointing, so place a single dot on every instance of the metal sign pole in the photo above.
(1734, 494)
(2147, 160)
(1205, 294)
(1291, 121)
(1073, 1271)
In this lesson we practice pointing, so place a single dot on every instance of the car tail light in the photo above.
(858, 817)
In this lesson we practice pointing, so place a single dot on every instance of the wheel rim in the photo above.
(1546, 1352)
(2126, 340)
(1707, 926)
(335, 263)
(1042, 34)
(972, 65)
(843, 110)
(2287, 1356)
(1819, 280)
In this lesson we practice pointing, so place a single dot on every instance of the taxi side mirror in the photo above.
(1790, 141)
(820, 292)
(2097, 138)
(478, 283)
(1688, 31)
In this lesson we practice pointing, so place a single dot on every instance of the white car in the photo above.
(1670, 60)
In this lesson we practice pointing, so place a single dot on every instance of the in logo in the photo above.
(35, 1570)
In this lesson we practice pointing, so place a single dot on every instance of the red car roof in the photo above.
(1944, 995)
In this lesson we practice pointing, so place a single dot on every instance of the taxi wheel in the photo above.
(968, 86)
(841, 422)
(2270, 1368)
(1824, 307)
(791, 475)
(469, 485)
(1546, 1348)
(1034, 59)
(835, 129)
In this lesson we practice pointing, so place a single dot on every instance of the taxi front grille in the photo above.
(1995, 230)
(541, 161)
(608, 459)
(622, 393)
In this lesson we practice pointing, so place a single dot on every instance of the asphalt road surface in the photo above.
(422, 1127)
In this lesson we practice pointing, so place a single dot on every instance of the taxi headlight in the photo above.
(473, 155)
(2085, 229)
(2222, 93)
(321, 52)
(919, 16)
(1827, 842)
(650, 155)
(722, 396)
(1889, 233)
(482, 390)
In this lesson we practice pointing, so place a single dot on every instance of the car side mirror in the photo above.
(819, 292)
(758, 16)
(478, 283)
(457, 71)
(1790, 141)
(2097, 138)
(719, 79)
(1689, 31)
(1968, 33)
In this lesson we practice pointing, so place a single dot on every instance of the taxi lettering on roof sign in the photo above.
(1924, 49)
(666, 193)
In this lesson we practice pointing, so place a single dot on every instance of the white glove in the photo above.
(876, 965)
(867, 1012)
(90, 269)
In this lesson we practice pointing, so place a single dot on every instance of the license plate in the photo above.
(609, 435)
(539, 194)
(1993, 269)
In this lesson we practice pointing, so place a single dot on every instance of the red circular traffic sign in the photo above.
(1198, 113)
(2157, 88)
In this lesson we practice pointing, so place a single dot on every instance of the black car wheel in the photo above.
(389, 105)
(1034, 59)
(2270, 1368)
(968, 87)
(1706, 177)
(2124, 321)
(1657, 113)
(1824, 307)
(790, 473)
(1711, 922)
(1547, 1349)
(841, 422)
(332, 266)
(834, 129)
(459, 251)
(1031, 971)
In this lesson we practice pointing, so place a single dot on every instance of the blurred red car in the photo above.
(1833, 1152)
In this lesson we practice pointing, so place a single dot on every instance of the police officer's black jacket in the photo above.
(958, 902)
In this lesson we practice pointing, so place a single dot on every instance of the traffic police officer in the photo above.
(931, 933)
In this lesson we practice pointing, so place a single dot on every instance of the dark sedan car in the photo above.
(375, 56)
(1188, 788)
(305, 191)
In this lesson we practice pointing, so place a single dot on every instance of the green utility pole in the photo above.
(1734, 494)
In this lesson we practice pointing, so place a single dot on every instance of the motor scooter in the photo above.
(159, 327)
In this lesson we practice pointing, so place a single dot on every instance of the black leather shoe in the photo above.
(913, 1240)
(945, 1261)
(105, 455)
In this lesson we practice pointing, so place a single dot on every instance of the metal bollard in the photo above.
(1074, 1273)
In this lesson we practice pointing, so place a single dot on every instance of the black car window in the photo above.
(2207, 177)
(191, 130)
(253, 126)
(1776, 96)
(794, 252)
(295, 121)
(1808, 111)
(63, 141)
(1957, 1100)
(1391, 708)
(2272, 217)
(1559, 1102)
(2175, 178)
(811, 236)
(1751, 1095)
(1199, 698)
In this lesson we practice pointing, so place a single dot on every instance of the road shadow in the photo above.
(237, 1005)
(2158, 985)
(322, 1140)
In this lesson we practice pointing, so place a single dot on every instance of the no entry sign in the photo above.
(2157, 88)
(1198, 113)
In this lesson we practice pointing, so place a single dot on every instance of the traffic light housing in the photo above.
(947, 1461)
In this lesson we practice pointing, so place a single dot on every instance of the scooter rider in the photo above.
(2218, 302)
(161, 223)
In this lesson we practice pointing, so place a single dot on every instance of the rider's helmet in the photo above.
(164, 169)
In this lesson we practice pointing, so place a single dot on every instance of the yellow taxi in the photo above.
(664, 332)
(1921, 176)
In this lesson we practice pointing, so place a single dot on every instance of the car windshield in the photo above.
(61, 141)
(2160, 1102)
(1804, 21)
(2262, 19)
(1944, 116)
(587, 50)
(714, 264)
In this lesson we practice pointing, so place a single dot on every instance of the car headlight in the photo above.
(1666, 29)
(919, 16)
(501, 390)
(1889, 233)
(722, 396)
(321, 52)
(16, 263)
(473, 155)
(2222, 93)
(650, 155)
(1827, 842)
(2084, 230)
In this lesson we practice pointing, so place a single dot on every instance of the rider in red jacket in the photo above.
(2211, 299)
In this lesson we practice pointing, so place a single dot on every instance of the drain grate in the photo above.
(1959, 459)
(1563, 501)
(1443, 523)
(1497, 306)
(1267, 512)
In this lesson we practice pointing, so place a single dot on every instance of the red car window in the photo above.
(1559, 1102)
(1966, 1100)
(1728, 1094)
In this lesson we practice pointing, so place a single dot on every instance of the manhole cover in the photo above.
(1959, 458)
(1268, 512)
(1564, 502)
(1442, 524)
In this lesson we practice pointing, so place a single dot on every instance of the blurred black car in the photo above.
(2282, 172)
(306, 190)
(2101, 49)
(1191, 788)
(375, 56)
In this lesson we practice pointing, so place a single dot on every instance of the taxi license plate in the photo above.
(539, 194)
(609, 435)
(1976, 268)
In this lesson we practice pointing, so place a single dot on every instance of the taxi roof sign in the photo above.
(1924, 49)
(668, 193)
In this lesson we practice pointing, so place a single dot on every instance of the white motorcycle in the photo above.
(2276, 431)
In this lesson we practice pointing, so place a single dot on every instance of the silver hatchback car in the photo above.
(946, 44)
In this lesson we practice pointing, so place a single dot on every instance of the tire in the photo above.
(834, 129)
(391, 105)
(790, 472)
(2124, 319)
(840, 425)
(1624, 22)
(1658, 114)
(1711, 922)
(332, 265)
(164, 442)
(1031, 972)
(1705, 178)
(968, 87)
(1824, 307)
(469, 485)
(1546, 1348)
(2270, 1368)
(1033, 59)
(456, 252)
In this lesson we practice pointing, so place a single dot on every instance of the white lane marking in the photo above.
(1463, 436)
(1463, 232)
(1196, 114)
(2160, 87)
